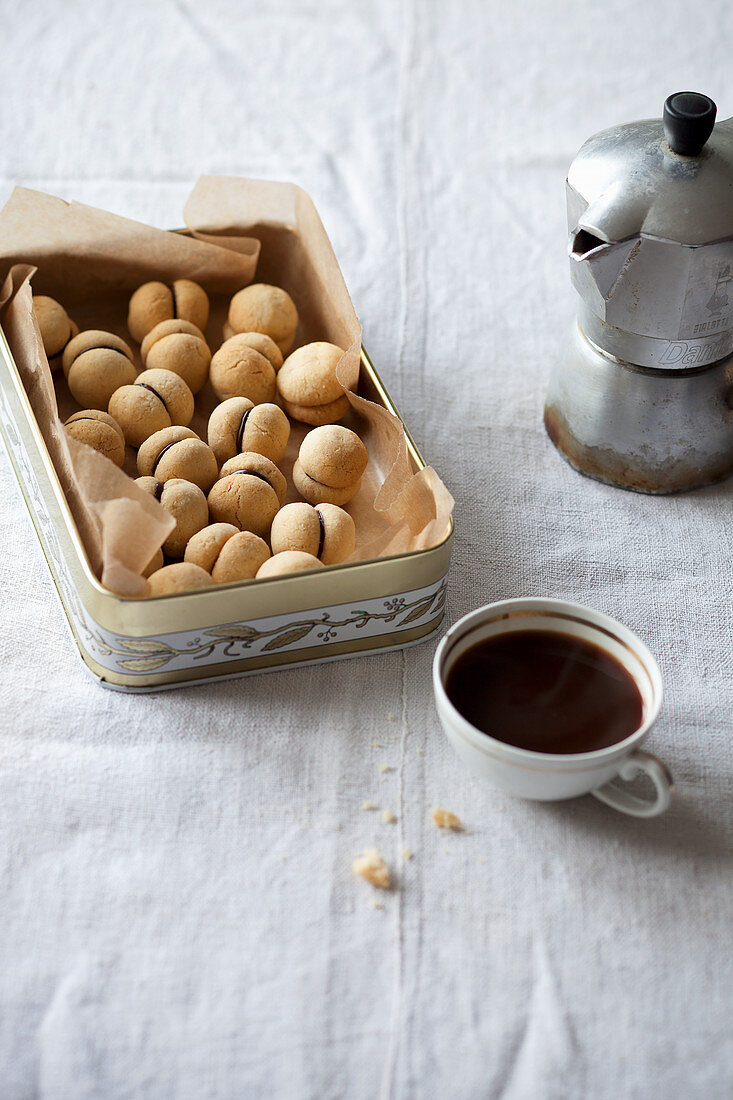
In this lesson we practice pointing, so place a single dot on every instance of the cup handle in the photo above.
(627, 803)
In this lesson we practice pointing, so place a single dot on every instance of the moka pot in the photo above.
(642, 396)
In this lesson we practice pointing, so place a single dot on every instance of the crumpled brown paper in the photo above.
(91, 261)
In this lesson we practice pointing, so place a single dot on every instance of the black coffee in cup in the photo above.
(546, 692)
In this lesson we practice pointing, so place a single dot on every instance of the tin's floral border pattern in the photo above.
(236, 641)
(231, 642)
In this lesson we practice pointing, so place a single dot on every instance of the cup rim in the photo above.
(577, 612)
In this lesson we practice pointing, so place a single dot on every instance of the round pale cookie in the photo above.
(155, 302)
(237, 370)
(249, 493)
(326, 532)
(179, 577)
(98, 430)
(315, 492)
(262, 343)
(156, 562)
(186, 503)
(230, 554)
(317, 415)
(97, 363)
(177, 452)
(156, 400)
(266, 309)
(333, 455)
(205, 546)
(56, 326)
(180, 347)
(238, 425)
(287, 561)
(308, 376)
(260, 466)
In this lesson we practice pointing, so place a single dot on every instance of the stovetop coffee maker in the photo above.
(642, 396)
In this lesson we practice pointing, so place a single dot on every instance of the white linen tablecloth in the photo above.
(177, 915)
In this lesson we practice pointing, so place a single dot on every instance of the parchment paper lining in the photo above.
(91, 261)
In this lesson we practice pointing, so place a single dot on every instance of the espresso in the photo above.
(546, 692)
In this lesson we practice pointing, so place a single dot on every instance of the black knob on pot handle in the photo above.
(688, 119)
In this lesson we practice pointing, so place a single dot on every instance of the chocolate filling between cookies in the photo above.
(322, 535)
(240, 429)
(253, 473)
(152, 389)
(99, 347)
(161, 453)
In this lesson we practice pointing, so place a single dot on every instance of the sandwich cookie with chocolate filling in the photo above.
(177, 452)
(155, 302)
(329, 466)
(249, 493)
(182, 576)
(98, 430)
(326, 532)
(308, 385)
(238, 425)
(288, 561)
(186, 503)
(178, 346)
(227, 553)
(238, 370)
(56, 327)
(156, 400)
(265, 309)
(96, 364)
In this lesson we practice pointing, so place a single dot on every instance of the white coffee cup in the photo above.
(550, 776)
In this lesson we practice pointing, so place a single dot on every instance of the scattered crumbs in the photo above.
(388, 817)
(376, 745)
(390, 717)
(406, 853)
(444, 819)
(386, 768)
(372, 867)
(369, 805)
(376, 903)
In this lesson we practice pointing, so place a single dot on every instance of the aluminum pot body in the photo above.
(650, 430)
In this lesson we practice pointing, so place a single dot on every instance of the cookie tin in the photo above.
(143, 645)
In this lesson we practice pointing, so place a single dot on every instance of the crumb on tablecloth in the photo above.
(388, 817)
(369, 805)
(385, 768)
(372, 867)
(376, 745)
(444, 819)
(407, 853)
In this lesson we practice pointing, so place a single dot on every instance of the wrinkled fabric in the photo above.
(177, 913)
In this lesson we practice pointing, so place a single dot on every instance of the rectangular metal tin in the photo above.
(231, 630)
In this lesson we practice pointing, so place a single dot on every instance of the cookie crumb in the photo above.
(376, 745)
(390, 717)
(376, 903)
(444, 819)
(388, 817)
(369, 805)
(386, 768)
(372, 867)
(406, 853)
